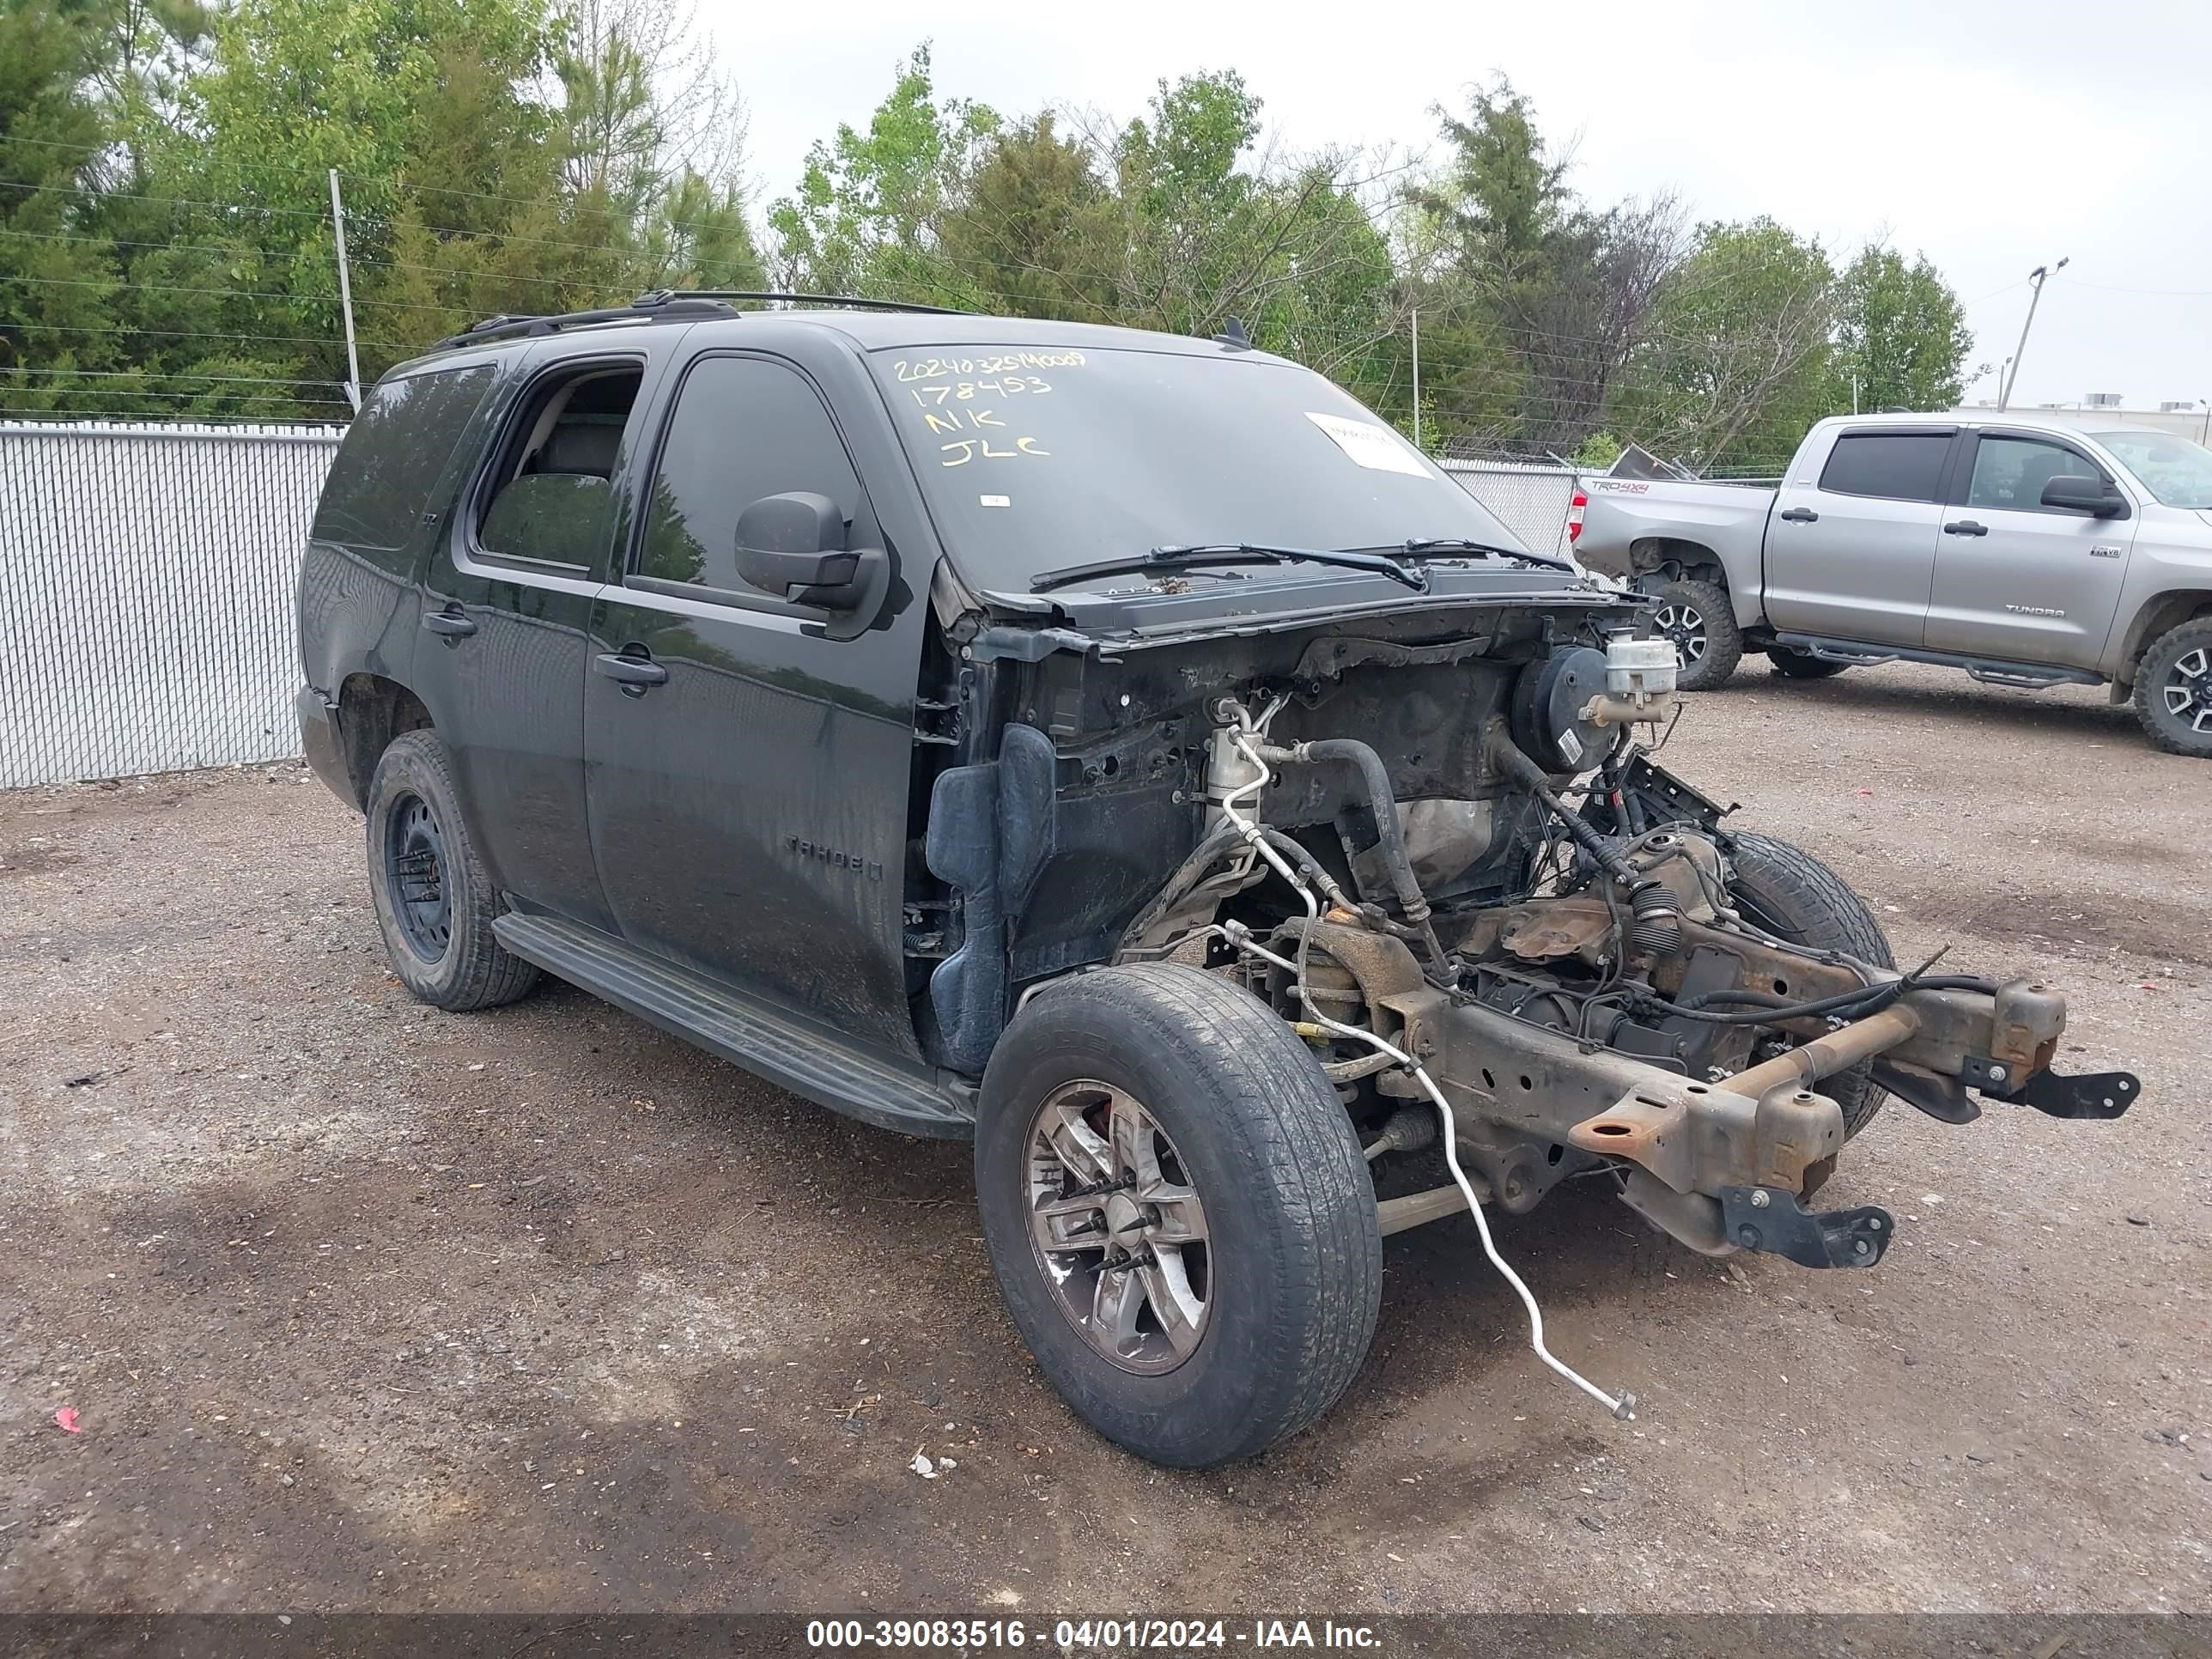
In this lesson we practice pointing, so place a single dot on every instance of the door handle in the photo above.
(1801, 515)
(450, 621)
(1965, 527)
(629, 671)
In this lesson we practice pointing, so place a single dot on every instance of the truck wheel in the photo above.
(1176, 1204)
(434, 904)
(2173, 689)
(1795, 896)
(1802, 664)
(1698, 619)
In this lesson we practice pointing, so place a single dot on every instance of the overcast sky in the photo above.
(1993, 135)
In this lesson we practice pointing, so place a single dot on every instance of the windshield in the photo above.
(2176, 471)
(1034, 460)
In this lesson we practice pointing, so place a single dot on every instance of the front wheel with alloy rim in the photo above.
(1176, 1207)
(2173, 689)
(434, 900)
(1701, 622)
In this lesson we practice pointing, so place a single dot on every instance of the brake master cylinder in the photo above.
(1640, 673)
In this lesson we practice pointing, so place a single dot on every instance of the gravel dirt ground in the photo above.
(360, 1306)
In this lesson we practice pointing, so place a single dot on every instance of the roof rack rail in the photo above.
(665, 304)
(854, 302)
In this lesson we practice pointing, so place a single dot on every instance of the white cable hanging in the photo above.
(1624, 1404)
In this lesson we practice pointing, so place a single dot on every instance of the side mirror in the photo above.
(793, 546)
(794, 541)
(2081, 494)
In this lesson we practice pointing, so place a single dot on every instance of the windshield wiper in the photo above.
(1427, 546)
(1169, 558)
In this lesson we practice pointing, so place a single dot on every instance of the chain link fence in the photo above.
(147, 577)
(1530, 500)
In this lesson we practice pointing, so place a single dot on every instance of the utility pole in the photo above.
(2035, 278)
(1416, 377)
(1855, 392)
(2205, 432)
(345, 297)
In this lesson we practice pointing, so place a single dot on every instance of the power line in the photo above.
(322, 216)
(204, 334)
(154, 374)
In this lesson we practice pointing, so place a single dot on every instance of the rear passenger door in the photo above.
(1850, 547)
(2017, 580)
(748, 774)
(500, 664)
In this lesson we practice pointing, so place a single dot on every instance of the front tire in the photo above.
(1795, 896)
(434, 900)
(1176, 1204)
(1699, 618)
(2173, 689)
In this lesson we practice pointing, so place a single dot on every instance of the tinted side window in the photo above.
(2009, 473)
(744, 427)
(1904, 466)
(393, 455)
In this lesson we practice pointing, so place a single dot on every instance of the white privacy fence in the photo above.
(146, 588)
(1531, 501)
(146, 594)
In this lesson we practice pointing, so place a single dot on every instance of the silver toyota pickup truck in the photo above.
(2026, 552)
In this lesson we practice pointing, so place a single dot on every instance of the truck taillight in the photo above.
(1574, 515)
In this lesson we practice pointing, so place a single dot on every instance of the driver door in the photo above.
(747, 775)
(2017, 580)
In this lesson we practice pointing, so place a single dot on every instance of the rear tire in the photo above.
(2173, 689)
(1255, 1188)
(1699, 618)
(1802, 664)
(1795, 896)
(434, 902)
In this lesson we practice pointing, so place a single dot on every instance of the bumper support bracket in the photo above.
(1771, 1218)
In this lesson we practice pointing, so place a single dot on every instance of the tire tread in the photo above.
(488, 974)
(2148, 715)
(1723, 639)
(1328, 1253)
(1827, 916)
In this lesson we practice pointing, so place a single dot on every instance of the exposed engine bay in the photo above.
(1454, 867)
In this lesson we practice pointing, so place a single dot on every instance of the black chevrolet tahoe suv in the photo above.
(1122, 750)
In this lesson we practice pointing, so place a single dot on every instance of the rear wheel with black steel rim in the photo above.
(1178, 1213)
(1700, 619)
(2173, 689)
(434, 901)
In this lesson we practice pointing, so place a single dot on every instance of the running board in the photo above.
(794, 1054)
(2026, 677)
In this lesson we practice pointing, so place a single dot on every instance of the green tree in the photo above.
(1034, 228)
(1901, 333)
(1737, 366)
(1177, 221)
(1540, 301)
(496, 157)
(59, 283)
(864, 218)
(1215, 224)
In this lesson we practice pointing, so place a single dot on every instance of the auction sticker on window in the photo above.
(1376, 448)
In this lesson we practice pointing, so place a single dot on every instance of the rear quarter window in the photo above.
(394, 455)
(1900, 466)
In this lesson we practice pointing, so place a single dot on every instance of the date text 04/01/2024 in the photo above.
(1114, 1635)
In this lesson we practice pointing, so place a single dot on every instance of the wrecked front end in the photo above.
(1429, 832)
